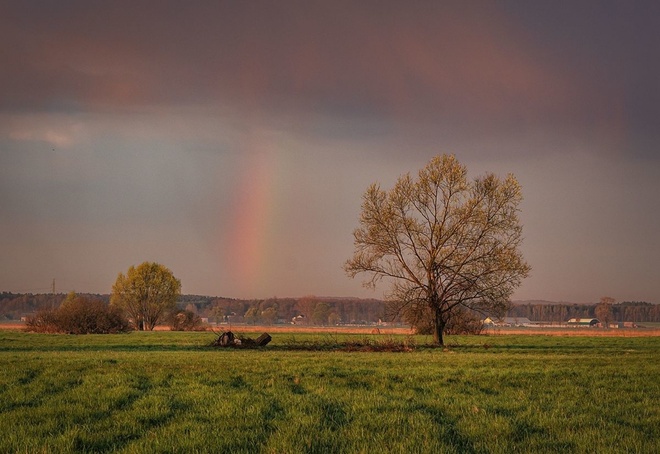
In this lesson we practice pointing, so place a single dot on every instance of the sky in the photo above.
(232, 141)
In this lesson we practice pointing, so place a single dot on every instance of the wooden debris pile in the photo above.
(228, 339)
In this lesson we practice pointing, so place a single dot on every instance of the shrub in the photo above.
(462, 321)
(80, 315)
(44, 321)
(185, 321)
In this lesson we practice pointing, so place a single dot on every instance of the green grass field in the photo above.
(168, 392)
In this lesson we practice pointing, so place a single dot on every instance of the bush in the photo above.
(80, 315)
(462, 321)
(185, 321)
(45, 321)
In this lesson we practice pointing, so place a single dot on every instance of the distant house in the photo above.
(584, 322)
(508, 321)
(623, 325)
(26, 317)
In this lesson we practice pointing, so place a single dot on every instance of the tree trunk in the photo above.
(438, 328)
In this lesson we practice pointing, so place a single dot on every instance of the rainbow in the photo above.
(253, 218)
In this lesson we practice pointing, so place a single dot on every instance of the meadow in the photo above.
(169, 392)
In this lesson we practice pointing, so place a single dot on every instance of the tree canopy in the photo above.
(147, 293)
(444, 242)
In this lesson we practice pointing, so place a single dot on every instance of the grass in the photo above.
(168, 392)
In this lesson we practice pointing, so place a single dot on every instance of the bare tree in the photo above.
(604, 311)
(306, 305)
(445, 243)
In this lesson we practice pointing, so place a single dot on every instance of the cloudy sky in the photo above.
(232, 141)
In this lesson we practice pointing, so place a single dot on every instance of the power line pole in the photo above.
(52, 288)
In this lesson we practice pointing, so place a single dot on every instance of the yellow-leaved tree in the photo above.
(146, 293)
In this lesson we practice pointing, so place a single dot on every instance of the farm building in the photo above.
(623, 325)
(583, 322)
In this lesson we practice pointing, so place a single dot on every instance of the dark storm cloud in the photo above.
(612, 46)
(425, 64)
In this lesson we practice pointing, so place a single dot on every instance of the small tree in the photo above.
(252, 315)
(305, 306)
(146, 293)
(446, 243)
(269, 315)
(604, 312)
(185, 320)
(218, 312)
(321, 313)
(334, 319)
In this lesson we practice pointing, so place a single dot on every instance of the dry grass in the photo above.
(12, 325)
(288, 329)
(581, 332)
(292, 329)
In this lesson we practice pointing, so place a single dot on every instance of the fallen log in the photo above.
(228, 339)
(263, 340)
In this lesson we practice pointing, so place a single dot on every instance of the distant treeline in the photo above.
(628, 311)
(313, 310)
(13, 306)
(309, 310)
